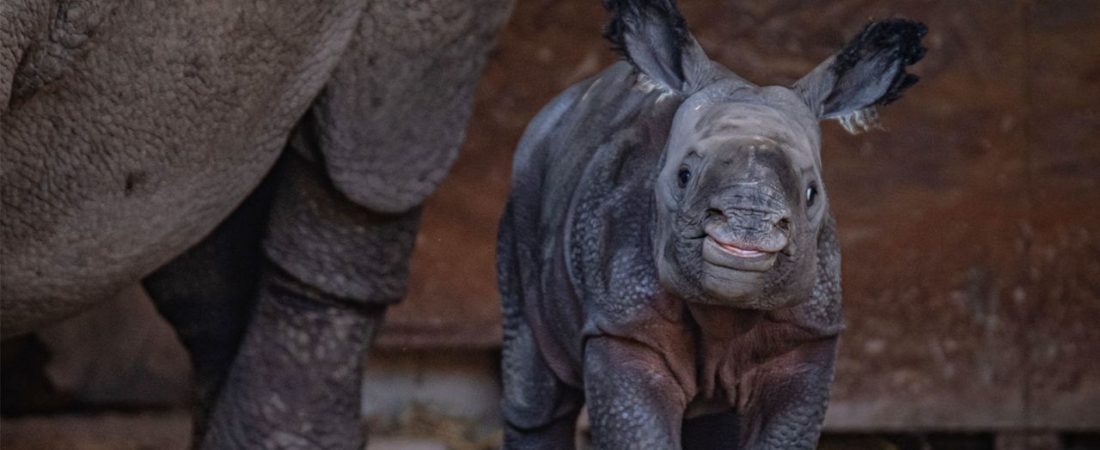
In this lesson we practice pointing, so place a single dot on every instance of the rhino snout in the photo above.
(745, 239)
(750, 216)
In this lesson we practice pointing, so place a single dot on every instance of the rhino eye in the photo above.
(684, 176)
(811, 195)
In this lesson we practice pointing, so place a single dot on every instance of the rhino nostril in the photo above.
(715, 213)
(784, 225)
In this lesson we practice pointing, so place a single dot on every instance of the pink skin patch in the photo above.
(738, 251)
(741, 252)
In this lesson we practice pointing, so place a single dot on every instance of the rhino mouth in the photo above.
(742, 252)
(736, 255)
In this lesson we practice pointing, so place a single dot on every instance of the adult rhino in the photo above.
(140, 141)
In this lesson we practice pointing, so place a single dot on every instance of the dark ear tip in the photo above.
(913, 49)
(903, 34)
(894, 39)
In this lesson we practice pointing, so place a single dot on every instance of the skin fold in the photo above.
(667, 256)
(259, 166)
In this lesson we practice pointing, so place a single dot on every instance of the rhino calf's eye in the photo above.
(811, 194)
(684, 177)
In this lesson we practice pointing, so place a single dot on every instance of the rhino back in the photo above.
(130, 130)
(581, 205)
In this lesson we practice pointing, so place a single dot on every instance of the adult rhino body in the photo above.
(134, 137)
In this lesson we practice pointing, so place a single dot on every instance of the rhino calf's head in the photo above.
(740, 200)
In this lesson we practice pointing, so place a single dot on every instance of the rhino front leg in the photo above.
(634, 402)
(332, 269)
(376, 142)
(790, 395)
(296, 381)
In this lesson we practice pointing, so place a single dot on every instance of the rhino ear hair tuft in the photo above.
(882, 49)
(859, 121)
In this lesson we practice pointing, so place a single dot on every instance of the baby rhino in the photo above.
(668, 256)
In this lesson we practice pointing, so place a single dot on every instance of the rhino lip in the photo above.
(737, 256)
(743, 252)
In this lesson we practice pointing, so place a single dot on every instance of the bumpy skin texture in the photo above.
(132, 132)
(667, 254)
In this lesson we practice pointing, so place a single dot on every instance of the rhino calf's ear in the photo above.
(652, 35)
(869, 71)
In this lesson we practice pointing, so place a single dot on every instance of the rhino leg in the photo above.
(207, 294)
(634, 402)
(540, 412)
(330, 270)
(375, 143)
(296, 381)
(788, 407)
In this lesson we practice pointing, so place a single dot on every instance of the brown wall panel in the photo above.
(931, 216)
(1063, 318)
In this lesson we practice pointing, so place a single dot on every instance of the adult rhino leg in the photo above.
(207, 294)
(375, 143)
(332, 268)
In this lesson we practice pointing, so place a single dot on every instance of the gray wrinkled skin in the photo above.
(667, 255)
(133, 138)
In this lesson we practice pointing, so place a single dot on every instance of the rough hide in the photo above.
(667, 252)
(133, 137)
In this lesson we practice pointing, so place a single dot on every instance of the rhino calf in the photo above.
(667, 255)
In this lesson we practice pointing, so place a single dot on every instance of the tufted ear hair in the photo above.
(869, 71)
(652, 35)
